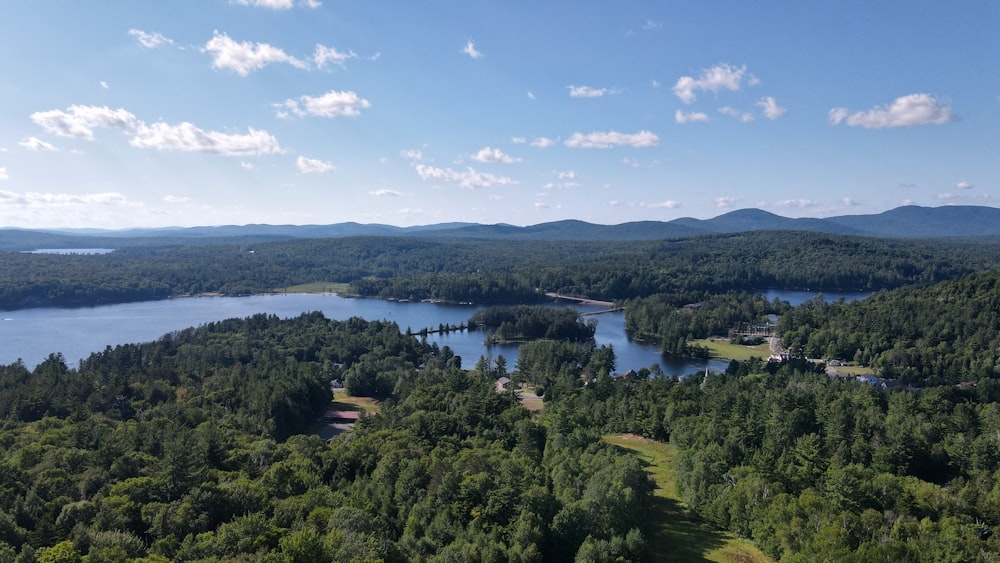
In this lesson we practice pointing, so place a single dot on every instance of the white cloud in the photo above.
(35, 200)
(848, 202)
(36, 144)
(542, 142)
(3, 173)
(470, 178)
(150, 40)
(669, 204)
(567, 175)
(490, 155)
(948, 196)
(176, 199)
(326, 54)
(104, 85)
(725, 202)
(331, 104)
(541, 205)
(614, 203)
(531, 95)
(652, 25)
(795, 203)
(80, 122)
(470, 49)
(742, 116)
(693, 117)
(713, 79)
(518, 140)
(277, 4)
(906, 111)
(412, 155)
(771, 108)
(245, 57)
(188, 138)
(246, 165)
(385, 193)
(608, 139)
(313, 166)
(588, 92)
(630, 162)
(963, 186)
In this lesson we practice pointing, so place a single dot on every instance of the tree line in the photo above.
(496, 272)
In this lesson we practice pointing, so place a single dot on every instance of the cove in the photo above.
(32, 334)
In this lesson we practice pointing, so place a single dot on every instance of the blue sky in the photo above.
(144, 113)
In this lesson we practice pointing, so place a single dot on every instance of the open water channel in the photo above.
(32, 334)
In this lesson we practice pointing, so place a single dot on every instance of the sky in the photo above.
(120, 114)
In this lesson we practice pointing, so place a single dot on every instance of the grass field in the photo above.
(726, 350)
(343, 402)
(676, 535)
(317, 287)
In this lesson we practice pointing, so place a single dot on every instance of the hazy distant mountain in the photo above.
(902, 222)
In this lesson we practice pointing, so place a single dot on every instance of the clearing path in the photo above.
(676, 535)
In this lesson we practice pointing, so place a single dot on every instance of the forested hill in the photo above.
(929, 335)
(903, 222)
(484, 271)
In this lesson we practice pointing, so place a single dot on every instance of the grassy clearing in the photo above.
(317, 287)
(726, 350)
(343, 402)
(676, 535)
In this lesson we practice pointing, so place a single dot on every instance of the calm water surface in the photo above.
(32, 334)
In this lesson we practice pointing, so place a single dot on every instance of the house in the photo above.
(503, 384)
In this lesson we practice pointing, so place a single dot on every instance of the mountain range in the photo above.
(902, 222)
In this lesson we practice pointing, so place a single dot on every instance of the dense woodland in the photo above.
(202, 445)
(518, 323)
(484, 271)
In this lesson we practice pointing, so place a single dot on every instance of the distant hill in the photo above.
(903, 222)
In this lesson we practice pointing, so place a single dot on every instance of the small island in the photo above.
(524, 323)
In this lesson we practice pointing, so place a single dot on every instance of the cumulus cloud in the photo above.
(277, 4)
(542, 142)
(412, 155)
(588, 92)
(80, 122)
(324, 55)
(725, 202)
(186, 137)
(906, 111)
(490, 155)
(518, 140)
(246, 165)
(608, 139)
(719, 77)
(34, 199)
(36, 144)
(741, 116)
(150, 40)
(669, 204)
(313, 166)
(385, 193)
(470, 49)
(693, 117)
(963, 186)
(771, 108)
(469, 178)
(791, 203)
(3, 173)
(331, 104)
(244, 58)
(105, 85)
(567, 175)
(947, 196)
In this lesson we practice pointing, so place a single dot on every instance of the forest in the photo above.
(492, 272)
(201, 445)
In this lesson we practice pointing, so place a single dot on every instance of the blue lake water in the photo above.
(32, 334)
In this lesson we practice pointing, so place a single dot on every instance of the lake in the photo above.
(32, 334)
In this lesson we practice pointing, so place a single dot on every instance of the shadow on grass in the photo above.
(678, 536)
